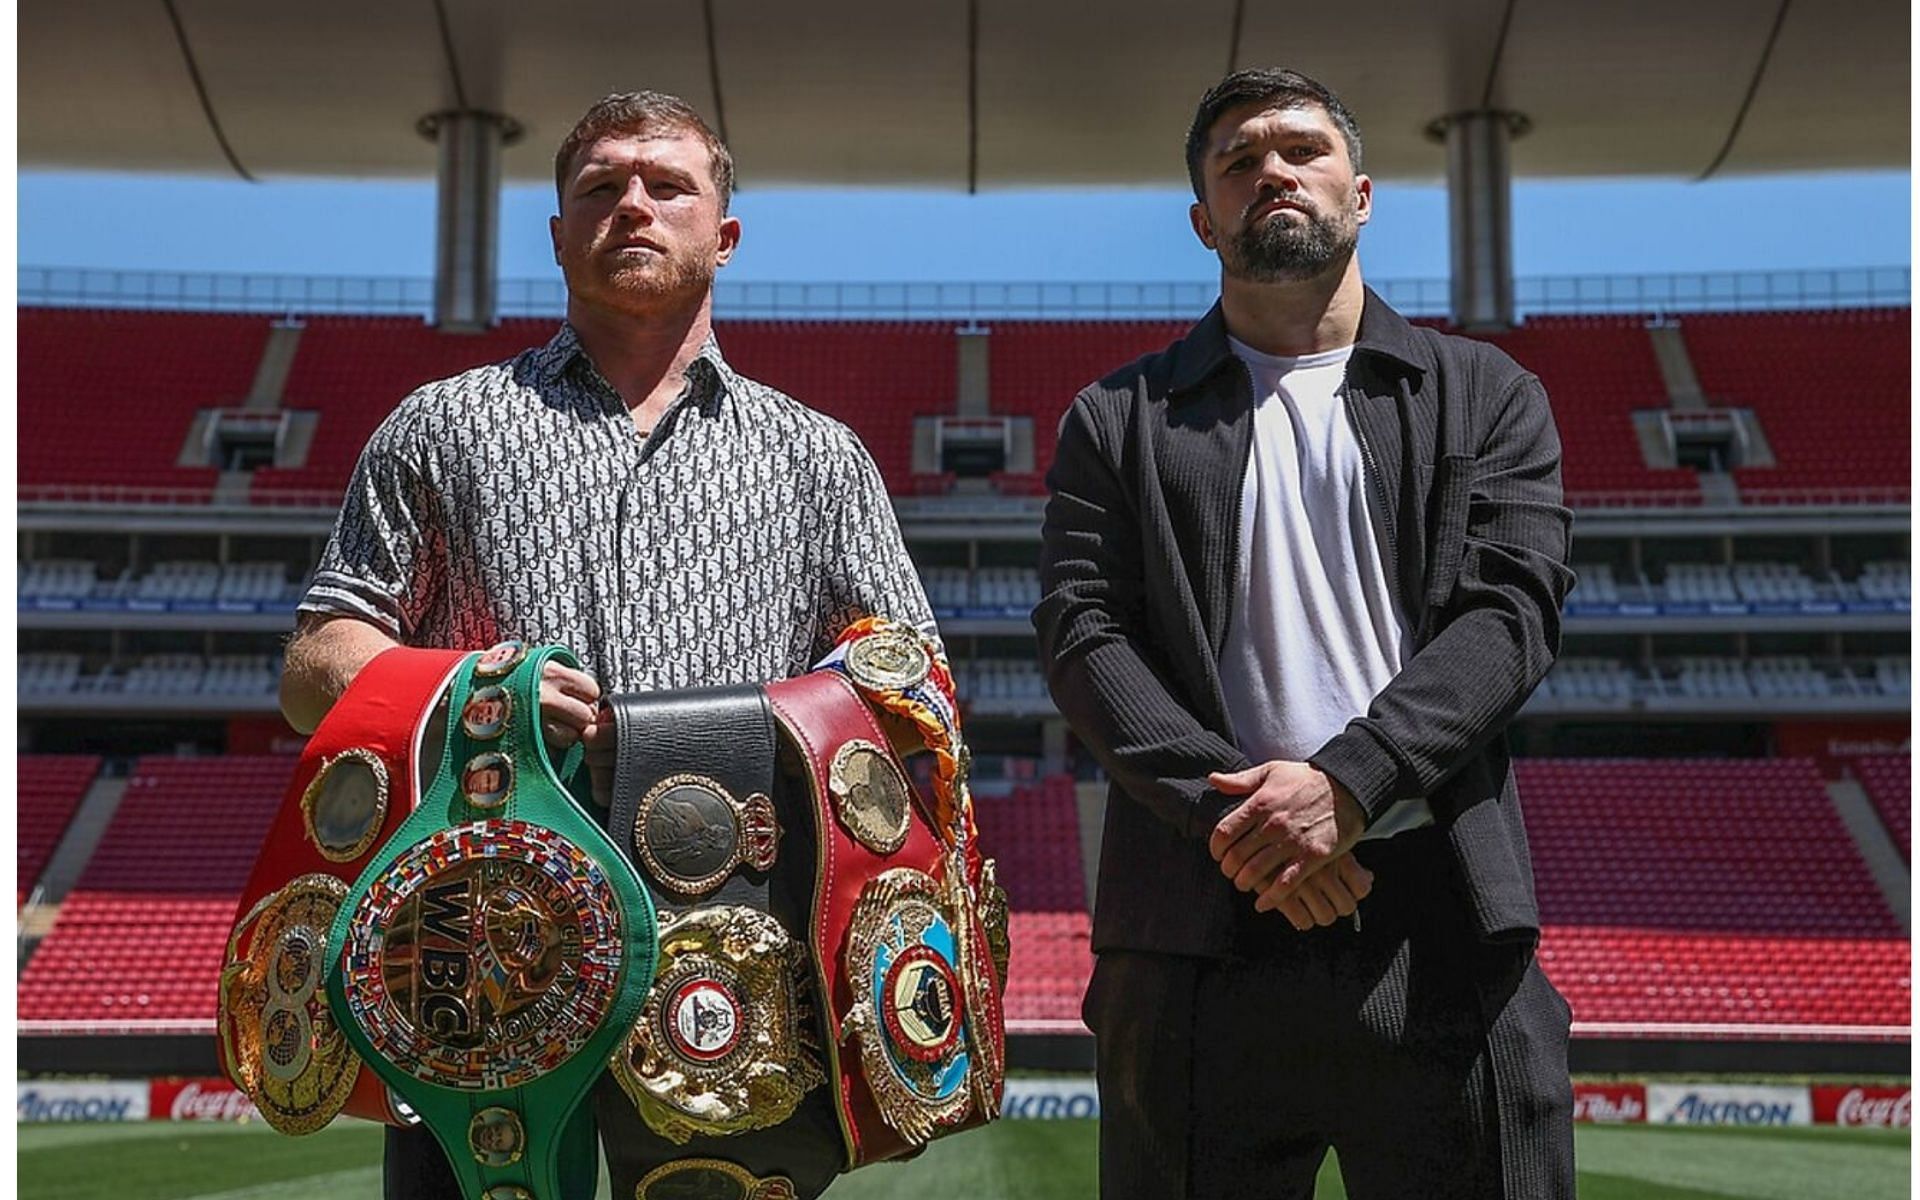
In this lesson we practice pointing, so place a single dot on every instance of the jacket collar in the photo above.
(1383, 332)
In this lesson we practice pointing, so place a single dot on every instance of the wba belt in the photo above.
(827, 996)
(355, 783)
(496, 949)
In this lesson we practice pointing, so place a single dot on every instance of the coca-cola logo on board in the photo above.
(1884, 1108)
(219, 1102)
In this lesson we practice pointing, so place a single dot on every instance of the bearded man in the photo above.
(1299, 571)
(620, 490)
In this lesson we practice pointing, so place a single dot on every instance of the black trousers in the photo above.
(1435, 1064)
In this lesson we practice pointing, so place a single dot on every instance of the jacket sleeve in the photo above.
(1103, 666)
(1500, 630)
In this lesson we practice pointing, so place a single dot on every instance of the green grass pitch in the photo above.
(1013, 1160)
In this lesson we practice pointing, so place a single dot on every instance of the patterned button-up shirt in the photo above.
(519, 500)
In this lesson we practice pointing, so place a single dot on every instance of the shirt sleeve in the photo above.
(868, 572)
(385, 560)
(1500, 630)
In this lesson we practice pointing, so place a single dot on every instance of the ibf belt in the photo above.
(355, 783)
(723, 1059)
(496, 949)
(914, 1036)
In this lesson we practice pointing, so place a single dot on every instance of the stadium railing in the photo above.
(1655, 295)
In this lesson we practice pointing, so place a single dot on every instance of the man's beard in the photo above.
(645, 286)
(1279, 250)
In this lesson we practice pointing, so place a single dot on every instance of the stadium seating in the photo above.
(1598, 370)
(1701, 583)
(143, 375)
(48, 674)
(108, 396)
(1716, 892)
(354, 370)
(143, 935)
(876, 376)
(1772, 583)
(1596, 584)
(1894, 674)
(1001, 683)
(1891, 581)
(1592, 680)
(1032, 833)
(1832, 390)
(58, 579)
(182, 583)
(1888, 782)
(51, 788)
(1035, 368)
(948, 588)
(1006, 591)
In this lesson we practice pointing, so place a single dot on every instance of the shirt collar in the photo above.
(709, 378)
(1383, 332)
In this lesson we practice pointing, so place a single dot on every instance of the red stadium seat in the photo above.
(143, 934)
(1888, 782)
(107, 397)
(51, 787)
(1832, 390)
(1707, 892)
(1599, 370)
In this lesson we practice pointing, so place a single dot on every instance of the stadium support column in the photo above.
(1479, 213)
(466, 237)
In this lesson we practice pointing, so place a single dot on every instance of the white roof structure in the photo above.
(959, 93)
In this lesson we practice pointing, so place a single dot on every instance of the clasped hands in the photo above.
(1291, 841)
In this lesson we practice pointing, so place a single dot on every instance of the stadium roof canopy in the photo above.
(992, 93)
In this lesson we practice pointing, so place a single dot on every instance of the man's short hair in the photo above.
(1274, 86)
(644, 112)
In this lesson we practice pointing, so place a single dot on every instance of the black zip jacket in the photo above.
(1138, 563)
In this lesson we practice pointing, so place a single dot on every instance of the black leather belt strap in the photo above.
(692, 794)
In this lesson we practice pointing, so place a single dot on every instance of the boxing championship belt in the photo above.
(723, 1066)
(494, 952)
(911, 1003)
(355, 783)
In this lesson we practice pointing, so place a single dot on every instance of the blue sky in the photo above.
(354, 227)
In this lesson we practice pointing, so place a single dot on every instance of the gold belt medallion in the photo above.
(690, 833)
(718, 1049)
(711, 1179)
(870, 796)
(905, 969)
(280, 1038)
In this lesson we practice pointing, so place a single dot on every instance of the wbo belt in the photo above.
(356, 781)
(820, 926)
(495, 950)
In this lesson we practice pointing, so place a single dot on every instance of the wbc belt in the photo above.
(355, 783)
(496, 948)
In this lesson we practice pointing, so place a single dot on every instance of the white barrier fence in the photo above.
(1076, 1098)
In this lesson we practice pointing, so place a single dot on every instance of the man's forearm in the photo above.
(323, 656)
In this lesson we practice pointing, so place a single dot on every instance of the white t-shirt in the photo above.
(1316, 631)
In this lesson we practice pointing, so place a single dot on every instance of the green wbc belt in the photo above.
(497, 949)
